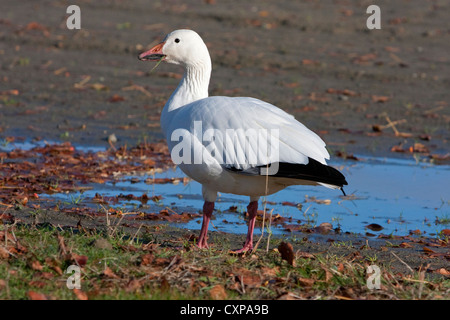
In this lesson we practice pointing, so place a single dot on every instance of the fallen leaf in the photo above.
(80, 294)
(218, 292)
(374, 227)
(380, 99)
(133, 285)
(287, 252)
(345, 155)
(288, 296)
(392, 49)
(109, 273)
(347, 12)
(444, 272)
(37, 284)
(116, 98)
(428, 250)
(425, 137)
(328, 274)
(62, 246)
(324, 228)
(165, 285)
(302, 254)
(36, 296)
(270, 272)
(306, 282)
(4, 253)
(420, 148)
(288, 203)
(36, 265)
(308, 62)
(398, 148)
(146, 259)
(2, 284)
(99, 87)
(247, 277)
(79, 259)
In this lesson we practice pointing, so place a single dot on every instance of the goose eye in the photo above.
(177, 40)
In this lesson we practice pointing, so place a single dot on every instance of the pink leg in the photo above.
(208, 208)
(252, 209)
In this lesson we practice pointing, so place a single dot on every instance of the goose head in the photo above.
(183, 47)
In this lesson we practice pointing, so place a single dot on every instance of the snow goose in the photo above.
(235, 145)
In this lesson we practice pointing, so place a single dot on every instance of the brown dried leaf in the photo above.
(302, 254)
(62, 246)
(288, 203)
(288, 296)
(380, 99)
(444, 272)
(146, 259)
(405, 245)
(428, 250)
(165, 285)
(420, 148)
(4, 253)
(218, 292)
(133, 285)
(109, 273)
(324, 228)
(374, 227)
(306, 282)
(287, 252)
(36, 265)
(36, 296)
(116, 98)
(79, 259)
(80, 294)
(308, 62)
(328, 274)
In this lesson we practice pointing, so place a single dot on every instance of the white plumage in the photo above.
(221, 141)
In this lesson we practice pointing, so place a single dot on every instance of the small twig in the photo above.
(264, 211)
(242, 284)
(138, 88)
(131, 240)
(434, 110)
(269, 228)
(392, 124)
(410, 269)
(169, 209)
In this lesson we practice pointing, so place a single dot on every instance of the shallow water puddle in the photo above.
(390, 196)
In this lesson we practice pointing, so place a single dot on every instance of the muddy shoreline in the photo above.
(315, 60)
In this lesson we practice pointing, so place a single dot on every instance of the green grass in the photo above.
(124, 267)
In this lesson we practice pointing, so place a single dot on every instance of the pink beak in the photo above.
(154, 54)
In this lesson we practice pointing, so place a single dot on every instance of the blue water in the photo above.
(399, 195)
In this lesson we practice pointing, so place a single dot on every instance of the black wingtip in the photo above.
(312, 171)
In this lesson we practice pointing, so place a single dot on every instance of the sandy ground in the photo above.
(315, 59)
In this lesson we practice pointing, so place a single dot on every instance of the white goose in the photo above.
(234, 145)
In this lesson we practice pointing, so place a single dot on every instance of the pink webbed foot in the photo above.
(252, 210)
(208, 208)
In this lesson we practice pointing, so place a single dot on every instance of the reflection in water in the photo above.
(399, 195)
